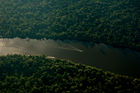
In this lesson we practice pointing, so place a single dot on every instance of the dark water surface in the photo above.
(123, 61)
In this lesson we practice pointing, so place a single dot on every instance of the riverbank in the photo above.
(118, 60)
(115, 45)
(31, 74)
(111, 22)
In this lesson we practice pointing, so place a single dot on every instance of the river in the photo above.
(122, 61)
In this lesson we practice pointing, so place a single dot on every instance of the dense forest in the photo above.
(114, 22)
(37, 74)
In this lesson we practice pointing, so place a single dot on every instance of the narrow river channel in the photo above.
(122, 61)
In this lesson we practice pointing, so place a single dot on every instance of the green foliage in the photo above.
(115, 22)
(37, 74)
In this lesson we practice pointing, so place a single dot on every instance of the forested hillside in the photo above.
(114, 22)
(37, 74)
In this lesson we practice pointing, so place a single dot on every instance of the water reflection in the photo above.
(117, 60)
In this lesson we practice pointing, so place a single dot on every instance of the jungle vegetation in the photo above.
(114, 22)
(37, 74)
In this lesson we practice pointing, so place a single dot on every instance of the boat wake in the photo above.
(71, 48)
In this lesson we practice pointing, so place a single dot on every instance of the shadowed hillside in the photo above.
(37, 74)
